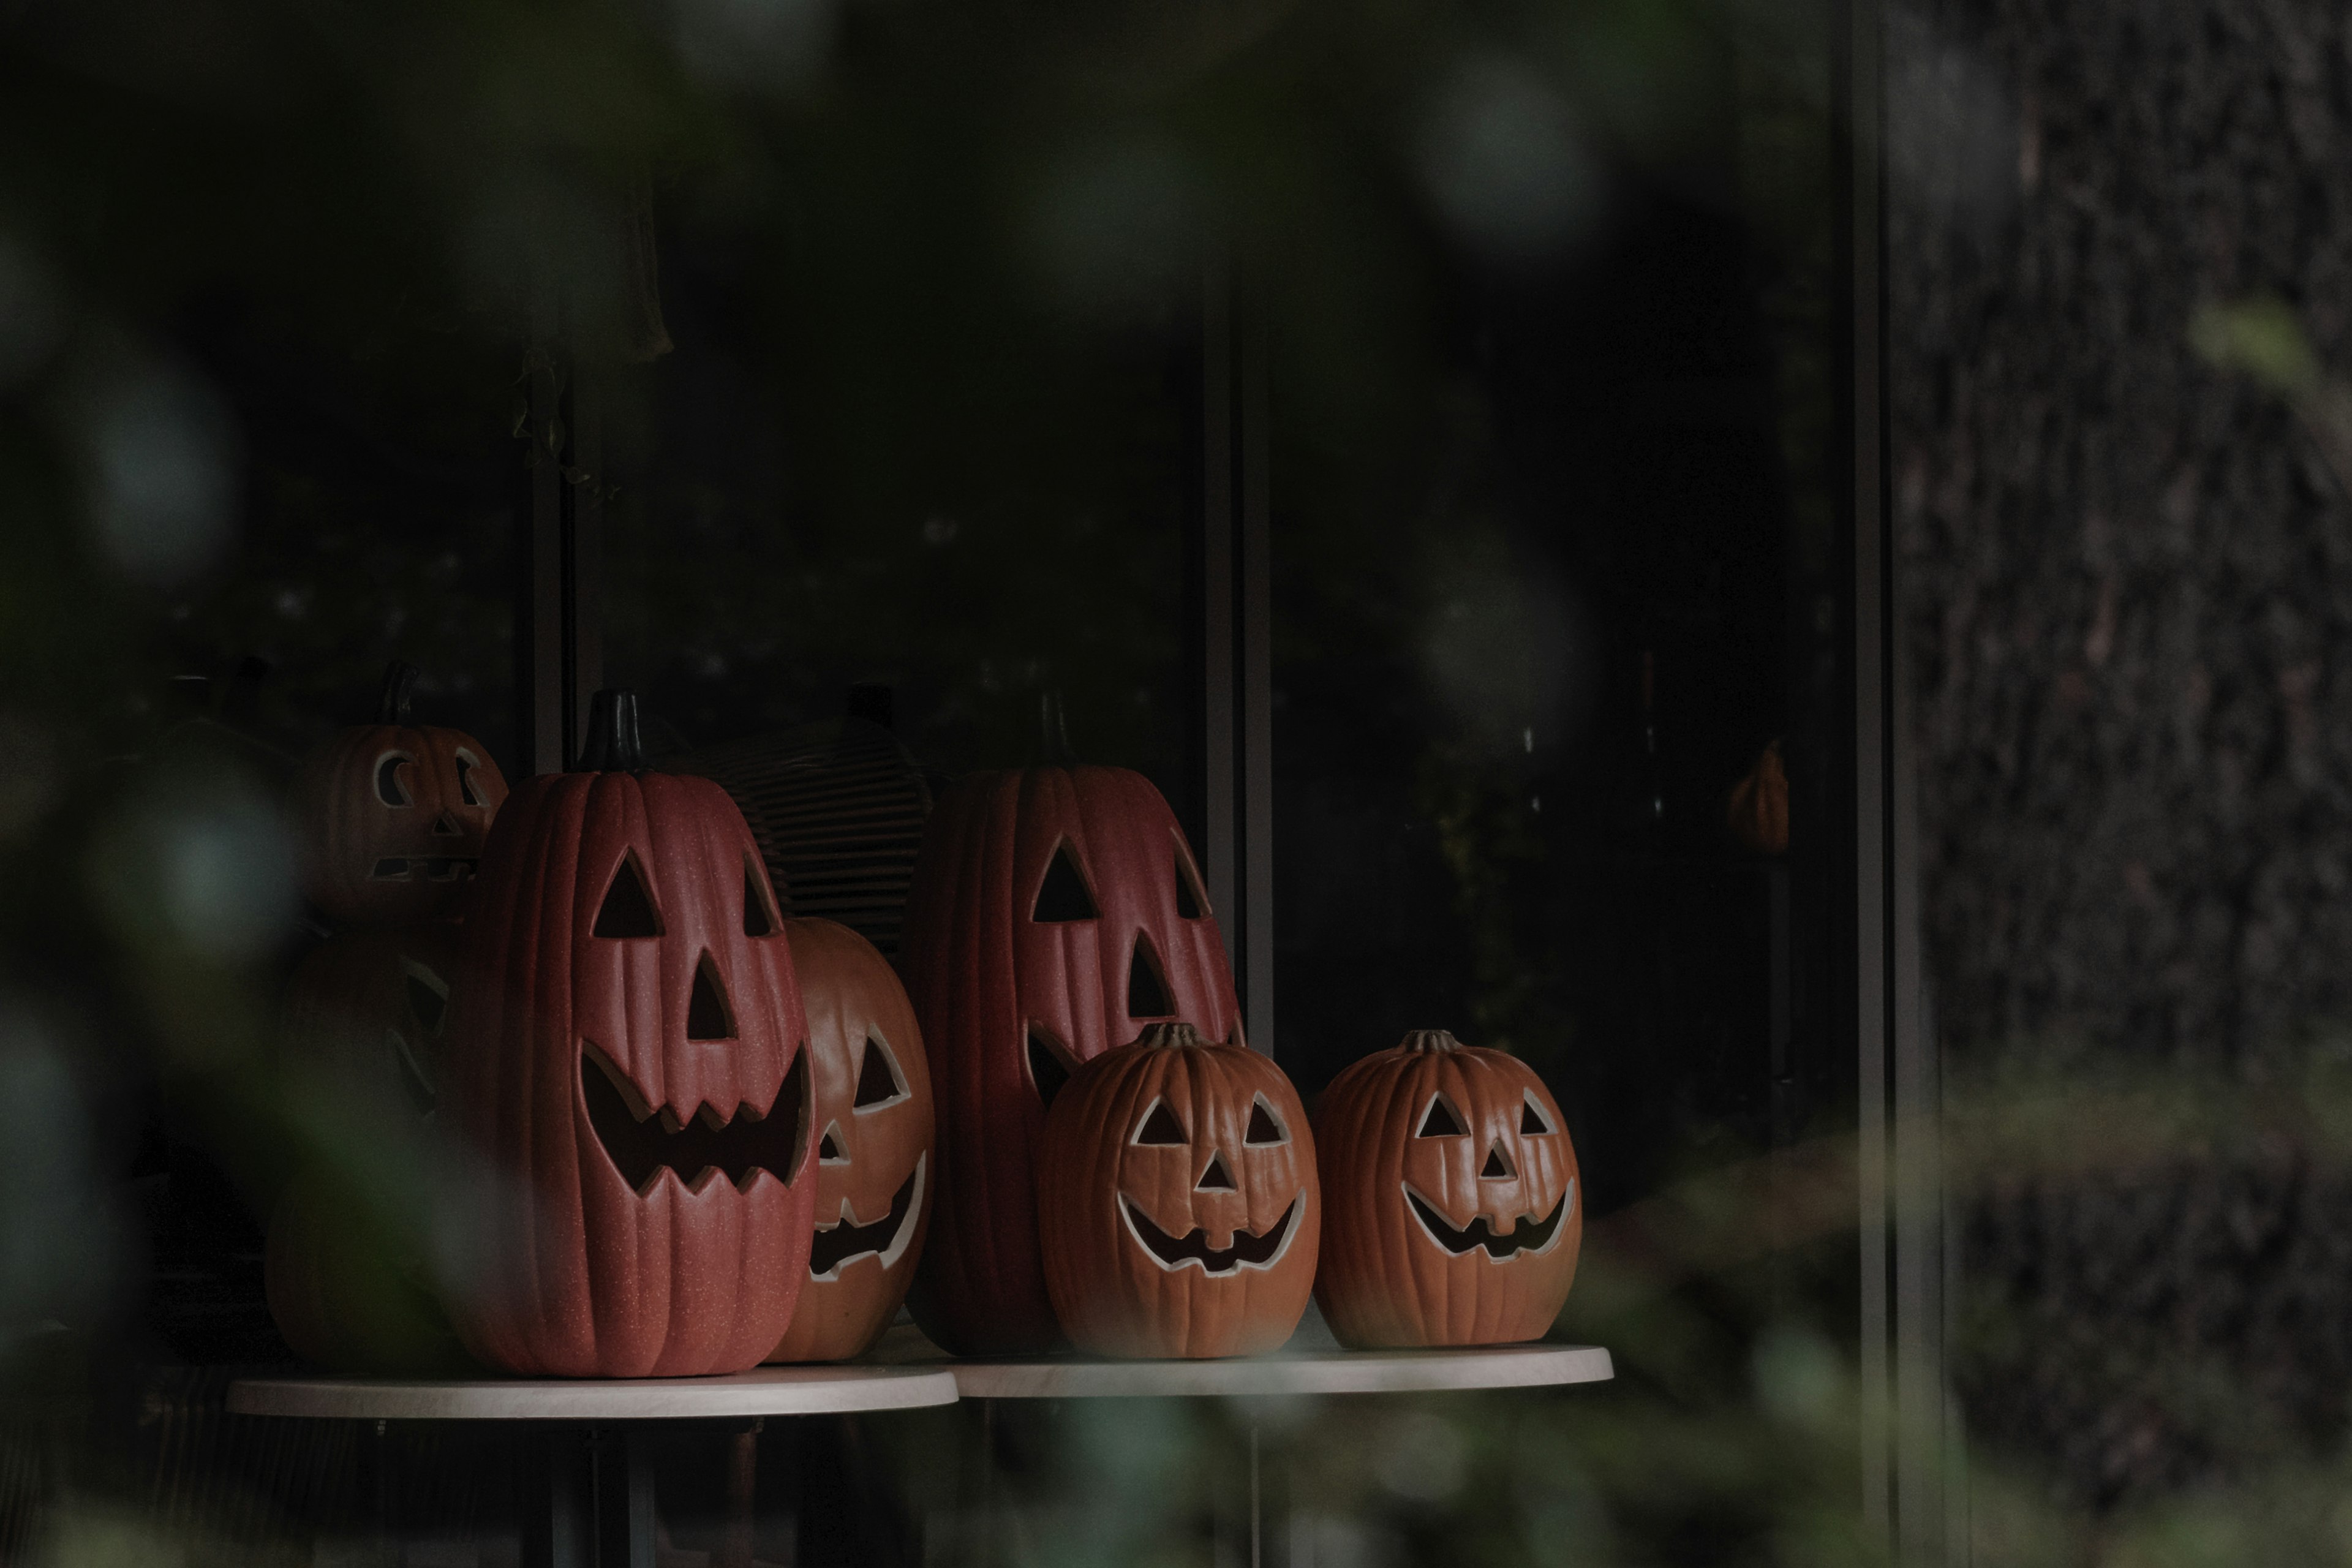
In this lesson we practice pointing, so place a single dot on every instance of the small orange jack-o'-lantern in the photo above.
(626, 1060)
(392, 815)
(1054, 911)
(1177, 1200)
(872, 1094)
(1451, 1197)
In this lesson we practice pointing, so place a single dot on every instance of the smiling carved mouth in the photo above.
(644, 1143)
(1248, 1251)
(845, 1239)
(1529, 1235)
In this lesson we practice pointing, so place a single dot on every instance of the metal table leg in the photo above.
(587, 1497)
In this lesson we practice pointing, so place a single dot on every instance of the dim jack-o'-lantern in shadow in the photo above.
(628, 1068)
(1450, 1215)
(345, 1272)
(872, 1098)
(392, 815)
(1177, 1200)
(1054, 911)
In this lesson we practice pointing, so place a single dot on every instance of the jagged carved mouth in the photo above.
(1528, 1234)
(1249, 1250)
(845, 1240)
(425, 869)
(642, 1142)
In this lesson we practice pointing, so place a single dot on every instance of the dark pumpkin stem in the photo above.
(1430, 1041)
(1157, 1036)
(400, 679)
(612, 745)
(1052, 732)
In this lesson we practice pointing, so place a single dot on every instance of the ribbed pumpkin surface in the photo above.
(1388, 1277)
(579, 1273)
(986, 976)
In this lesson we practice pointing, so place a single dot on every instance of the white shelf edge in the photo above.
(1314, 1372)
(764, 1391)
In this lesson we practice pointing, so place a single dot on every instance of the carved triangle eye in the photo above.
(1191, 902)
(1264, 1127)
(758, 920)
(1439, 1121)
(1063, 895)
(1160, 1126)
(1532, 1120)
(877, 1077)
(628, 909)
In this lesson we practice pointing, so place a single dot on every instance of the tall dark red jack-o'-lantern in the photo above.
(628, 1065)
(872, 1095)
(1177, 1201)
(1450, 1215)
(1055, 911)
(392, 815)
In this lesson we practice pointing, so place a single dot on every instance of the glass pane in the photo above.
(890, 454)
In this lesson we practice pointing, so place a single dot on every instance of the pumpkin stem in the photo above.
(1156, 1037)
(1053, 733)
(400, 679)
(1429, 1041)
(612, 745)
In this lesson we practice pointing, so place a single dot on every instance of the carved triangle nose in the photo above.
(1216, 1178)
(707, 1016)
(1498, 1166)
(446, 825)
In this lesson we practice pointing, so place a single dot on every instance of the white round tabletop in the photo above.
(1294, 1373)
(764, 1391)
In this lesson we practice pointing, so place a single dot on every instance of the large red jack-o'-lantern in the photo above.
(872, 1095)
(628, 1065)
(1176, 1201)
(1450, 1215)
(392, 815)
(1054, 912)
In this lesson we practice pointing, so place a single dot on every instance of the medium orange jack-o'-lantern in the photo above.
(344, 1272)
(1176, 1200)
(1450, 1195)
(367, 1009)
(1054, 911)
(392, 815)
(627, 1062)
(872, 1095)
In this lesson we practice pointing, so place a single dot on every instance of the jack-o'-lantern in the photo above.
(872, 1097)
(344, 1277)
(1054, 912)
(368, 1009)
(1450, 1198)
(628, 1068)
(1177, 1203)
(392, 815)
(347, 1284)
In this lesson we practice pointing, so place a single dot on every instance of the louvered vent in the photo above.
(837, 810)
